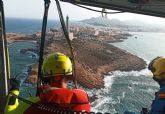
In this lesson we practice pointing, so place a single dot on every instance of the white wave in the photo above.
(132, 89)
(32, 54)
(118, 97)
(101, 105)
(106, 100)
(144, 72)
(123, 94)
(108, 80)
(150, 90)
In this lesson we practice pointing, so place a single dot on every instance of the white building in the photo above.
(71, 36)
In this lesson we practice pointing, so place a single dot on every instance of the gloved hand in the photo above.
(15, 84)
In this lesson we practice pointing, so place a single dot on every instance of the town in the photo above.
(101, 34)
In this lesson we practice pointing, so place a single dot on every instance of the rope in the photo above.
(68, 40)
(44, 25)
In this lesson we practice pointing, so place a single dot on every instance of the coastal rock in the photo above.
(33, 73)
(12, 37)
(93, 60)
(24, 50)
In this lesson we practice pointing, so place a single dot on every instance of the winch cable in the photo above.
(115, 12)
(42, 43)
(66, 33)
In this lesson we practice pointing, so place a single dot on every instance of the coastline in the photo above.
(94, 59)
(15, 37)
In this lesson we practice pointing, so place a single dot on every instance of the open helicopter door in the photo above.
(147, 7)
(4, 66)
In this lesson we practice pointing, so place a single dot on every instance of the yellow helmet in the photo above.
(56, 64)
(157, 67)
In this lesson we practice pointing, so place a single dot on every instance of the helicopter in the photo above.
(147, 7)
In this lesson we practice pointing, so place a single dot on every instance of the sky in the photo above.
(34, 9)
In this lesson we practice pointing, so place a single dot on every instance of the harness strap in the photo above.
(44, 25)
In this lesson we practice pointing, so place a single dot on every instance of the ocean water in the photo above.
(123, 90)
(28, 26)
(136, 89)
(19, 63)
(146, 45)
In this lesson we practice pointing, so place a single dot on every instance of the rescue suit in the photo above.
(75, 99)
(158, 104)
(62, 99)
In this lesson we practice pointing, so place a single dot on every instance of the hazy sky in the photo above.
(35, 8)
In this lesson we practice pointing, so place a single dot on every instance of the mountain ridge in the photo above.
(134, 24)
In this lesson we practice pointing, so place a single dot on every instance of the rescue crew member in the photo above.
(57, 71)
(54, 93)
(157, 67)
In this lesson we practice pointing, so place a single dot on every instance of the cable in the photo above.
(98, 10)
(68, 40)
(44, 25)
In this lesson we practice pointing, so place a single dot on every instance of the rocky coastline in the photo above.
(94, 58)
(14, 37)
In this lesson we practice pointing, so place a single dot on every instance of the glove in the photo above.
(15, 84)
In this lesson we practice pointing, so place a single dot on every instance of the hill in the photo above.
(130, 25)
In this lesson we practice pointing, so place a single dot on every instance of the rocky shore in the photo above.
(94, 58)
(13, 37)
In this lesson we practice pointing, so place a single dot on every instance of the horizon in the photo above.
(160, 22)
(28, 10)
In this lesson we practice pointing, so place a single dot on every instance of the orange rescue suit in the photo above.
(75, 99)
(56, 100)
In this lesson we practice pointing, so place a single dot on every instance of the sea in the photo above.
(123, 91)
